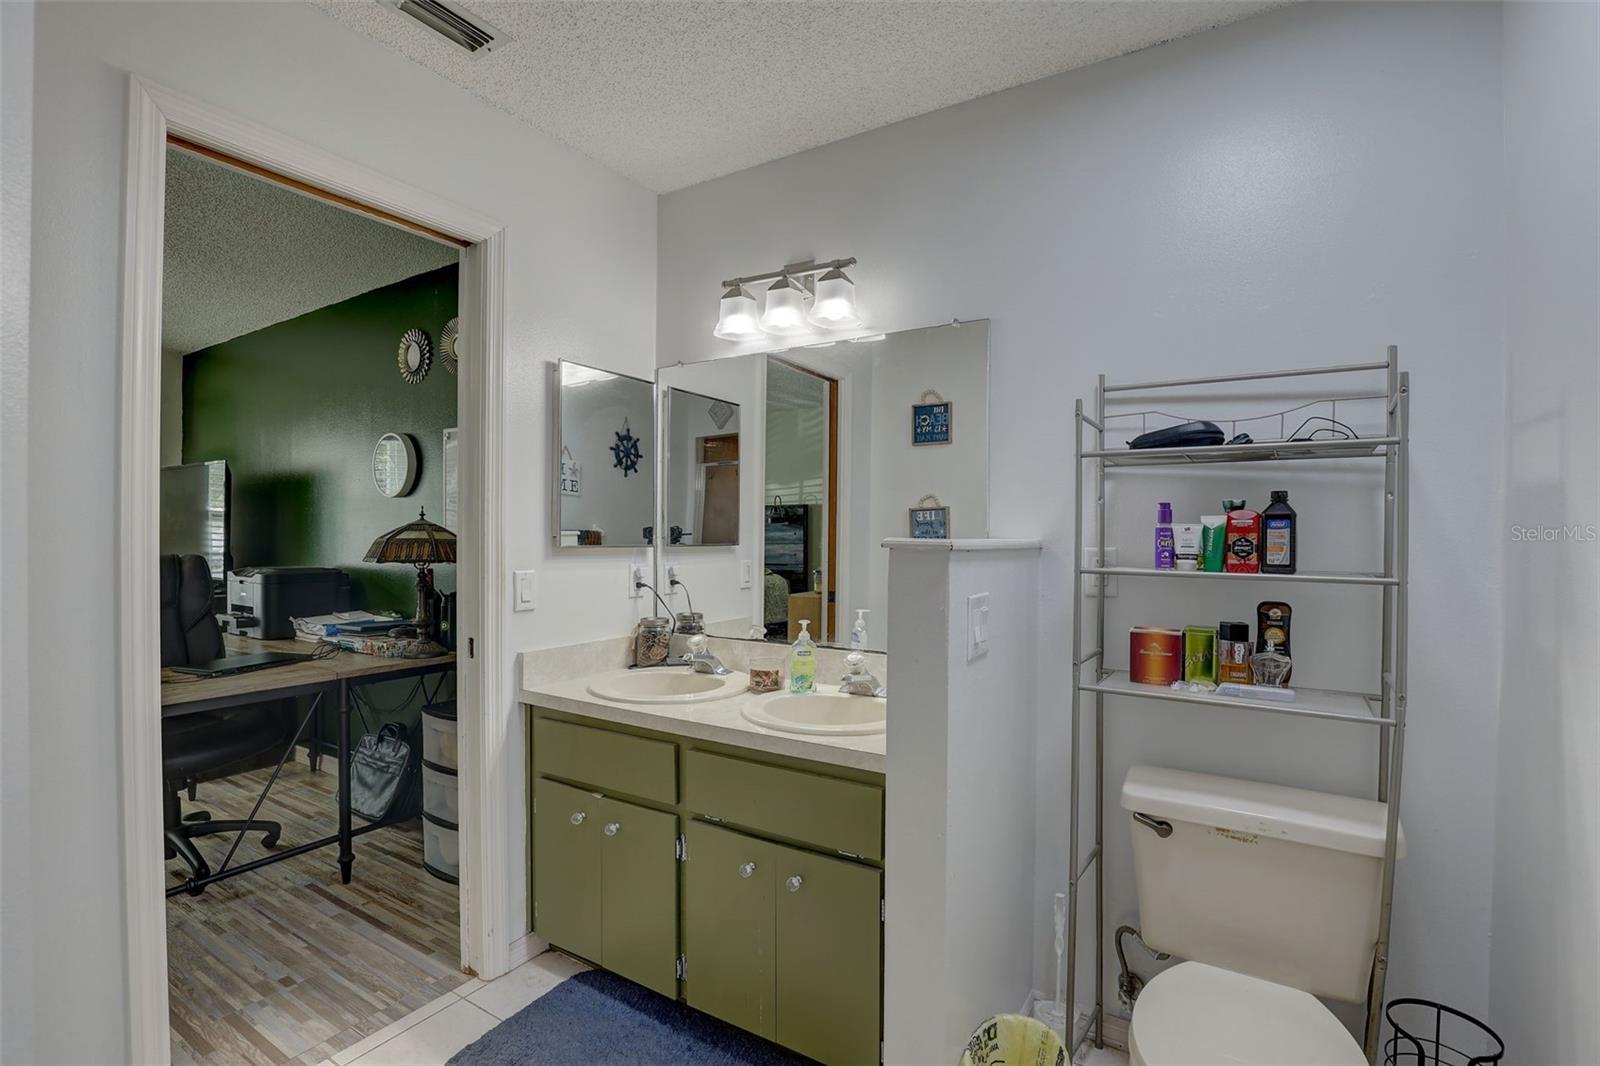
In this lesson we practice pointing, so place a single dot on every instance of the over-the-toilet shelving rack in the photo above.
(1382, 707)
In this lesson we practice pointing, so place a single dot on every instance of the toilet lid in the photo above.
(1199, 1015)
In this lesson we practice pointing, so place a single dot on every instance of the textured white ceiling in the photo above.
(674, 93)
(242, 253)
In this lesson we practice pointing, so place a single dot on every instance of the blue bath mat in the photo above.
(598, 1018)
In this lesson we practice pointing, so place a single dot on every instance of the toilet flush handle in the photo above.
(1162, 829)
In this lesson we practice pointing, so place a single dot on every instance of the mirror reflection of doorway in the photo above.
(718, 519)
(801, 526)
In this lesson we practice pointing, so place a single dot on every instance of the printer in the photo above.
(264, 600)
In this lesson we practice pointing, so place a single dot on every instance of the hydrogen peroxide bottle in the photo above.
(1278, 548)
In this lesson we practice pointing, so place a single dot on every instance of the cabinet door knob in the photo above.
(747, 870)
(612, 827)
(578, 817)
(794, 883)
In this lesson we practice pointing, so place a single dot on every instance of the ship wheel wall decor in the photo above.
(416, 356)
(626, 453)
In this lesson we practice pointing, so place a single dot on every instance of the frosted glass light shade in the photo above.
(784, 314)
(737, 322)
(835, 304)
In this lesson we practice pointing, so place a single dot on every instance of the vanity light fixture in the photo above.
(784, 312)
(802, 298)
(834, 305)
(737, 322)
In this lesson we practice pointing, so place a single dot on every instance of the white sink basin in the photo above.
(828, 713)
(667, 684)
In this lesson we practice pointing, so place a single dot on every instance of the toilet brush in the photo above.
(1054, 1014)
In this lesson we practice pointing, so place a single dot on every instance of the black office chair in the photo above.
(201, 746)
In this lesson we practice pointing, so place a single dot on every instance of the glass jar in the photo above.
(691, 622)
(652, 641)
(766, 671)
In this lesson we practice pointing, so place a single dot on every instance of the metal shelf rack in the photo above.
(1093, 680)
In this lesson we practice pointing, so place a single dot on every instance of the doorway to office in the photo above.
(162, 121)
(309, 407)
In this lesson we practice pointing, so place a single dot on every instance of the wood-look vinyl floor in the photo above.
(285, 964)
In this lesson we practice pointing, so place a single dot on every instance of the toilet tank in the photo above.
(1279, 883)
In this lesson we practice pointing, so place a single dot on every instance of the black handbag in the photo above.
(385, 779)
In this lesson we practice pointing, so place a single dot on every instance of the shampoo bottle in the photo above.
(803, 661)
(1166, 543)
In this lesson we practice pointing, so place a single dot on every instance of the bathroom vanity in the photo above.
(734, 868)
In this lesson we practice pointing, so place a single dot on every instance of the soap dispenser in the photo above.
(803, 661)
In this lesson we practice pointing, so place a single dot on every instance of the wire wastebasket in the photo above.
(1425, 1033)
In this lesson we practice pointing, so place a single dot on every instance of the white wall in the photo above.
(17, 870)
(1300, 188)
(1545, 978)
(957, 844)
(568, 222)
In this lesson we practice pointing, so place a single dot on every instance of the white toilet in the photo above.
(1272, 893)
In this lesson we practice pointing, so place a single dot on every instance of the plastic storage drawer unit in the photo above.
(439, 735)
(441, 851)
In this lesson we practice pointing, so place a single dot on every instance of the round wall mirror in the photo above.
(394, 464)
(416, 356)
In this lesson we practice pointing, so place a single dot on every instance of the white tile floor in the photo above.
(429, 1035)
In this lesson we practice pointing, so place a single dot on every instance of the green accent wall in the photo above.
(296, 409)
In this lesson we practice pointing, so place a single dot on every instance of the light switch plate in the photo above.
(522, 590)
(747, 573)
(1093, 583)
(977, 626)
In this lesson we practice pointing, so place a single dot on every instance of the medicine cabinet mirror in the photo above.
(603, 479)
(839, 447)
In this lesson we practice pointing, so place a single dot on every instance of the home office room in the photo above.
(308, 510)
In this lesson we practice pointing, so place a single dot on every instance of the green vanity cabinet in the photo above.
(605, 883)
(566, 906)
(748, 884)
(783, 942)
(728, 912)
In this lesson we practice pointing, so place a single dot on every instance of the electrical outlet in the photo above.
(635, 576)
(1098, 584)
(747, 573)
(522, 590)
(672, 575)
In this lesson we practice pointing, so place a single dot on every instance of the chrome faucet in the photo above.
(702, 661)
(858, 680)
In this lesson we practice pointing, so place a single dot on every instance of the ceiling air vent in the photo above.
(451, 23)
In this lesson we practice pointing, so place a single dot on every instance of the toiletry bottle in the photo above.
(1243, 535)
(1186, 537)
(803, 661)
(1166, 543)
(858, 635)
(1278, 522)
(1272, 629)
(1233, 653)
(1213, 541)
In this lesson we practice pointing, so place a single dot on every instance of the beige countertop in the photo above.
(720, 721)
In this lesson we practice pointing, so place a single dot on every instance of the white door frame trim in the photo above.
(487, 929)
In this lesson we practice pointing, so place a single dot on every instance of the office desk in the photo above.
(182, 694)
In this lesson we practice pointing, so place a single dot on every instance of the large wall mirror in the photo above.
(839, 447)
(604, 476)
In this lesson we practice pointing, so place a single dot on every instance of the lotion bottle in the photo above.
(1166, 543)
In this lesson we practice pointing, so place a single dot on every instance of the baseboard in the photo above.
(523, 949)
